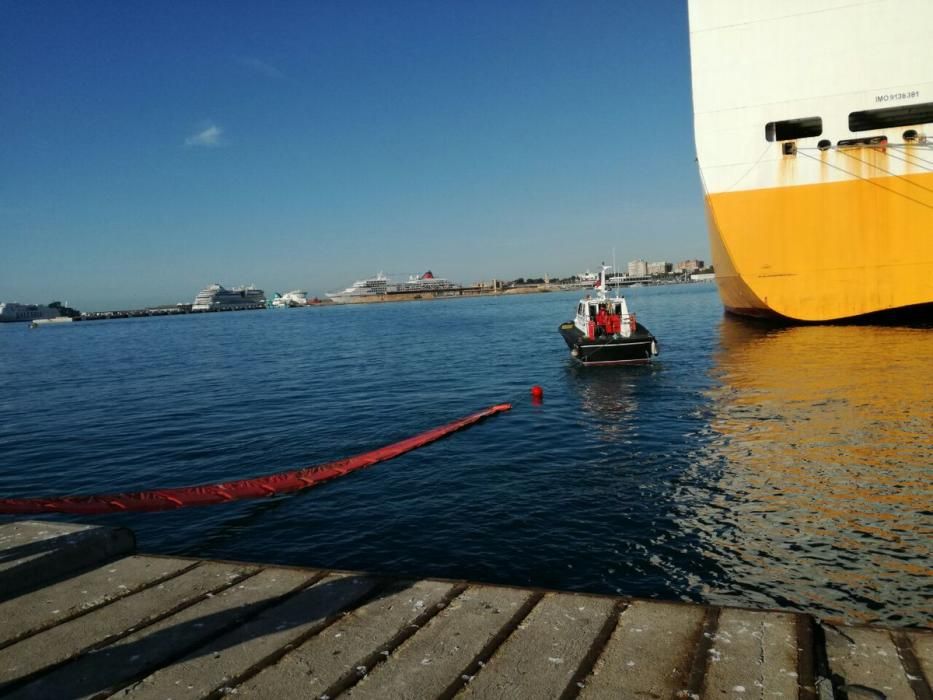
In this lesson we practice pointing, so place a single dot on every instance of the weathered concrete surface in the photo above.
(146, 627)
(922, 643)
(223, 661)
(753, 655)
(425, 665)
(649, 654)
(318, 664)
(141, 652)
(541, 657)
(77, 636)
(865, 657)
(32, 612)
(33, 553)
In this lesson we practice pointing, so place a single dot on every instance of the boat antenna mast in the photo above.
(601, 294)
(615, 273)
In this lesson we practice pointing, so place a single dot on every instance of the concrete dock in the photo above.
(82, 615)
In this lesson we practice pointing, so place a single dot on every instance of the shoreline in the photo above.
(461, 293)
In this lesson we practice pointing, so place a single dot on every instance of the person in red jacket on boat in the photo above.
(615, 323)
(602, 319)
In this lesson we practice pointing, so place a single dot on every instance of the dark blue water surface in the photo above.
(747, 466)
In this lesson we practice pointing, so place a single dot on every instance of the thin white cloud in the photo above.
(260, 67)
(210, 137)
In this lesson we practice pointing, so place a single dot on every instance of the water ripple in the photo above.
(749, 466)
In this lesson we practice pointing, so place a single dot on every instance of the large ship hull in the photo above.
(824, 252)
(819, 201)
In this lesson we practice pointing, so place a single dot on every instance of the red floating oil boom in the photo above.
(274, 484)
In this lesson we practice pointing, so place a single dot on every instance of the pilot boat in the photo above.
(605, 332)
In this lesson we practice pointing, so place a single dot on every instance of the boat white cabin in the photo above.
(605, 332)
(603, 313)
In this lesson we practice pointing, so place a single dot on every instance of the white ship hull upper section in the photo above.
(814, 135)
(747, 59)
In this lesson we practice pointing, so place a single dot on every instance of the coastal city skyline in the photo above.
(147, 154)
(254, 296)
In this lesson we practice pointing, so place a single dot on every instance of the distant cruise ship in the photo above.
(217, 298)
(381, 286)
(421, 283)
(12, 312)
(371, 286)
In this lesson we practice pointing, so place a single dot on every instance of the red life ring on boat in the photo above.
(632, 325)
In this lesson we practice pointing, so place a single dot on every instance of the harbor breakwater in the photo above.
(460, 292)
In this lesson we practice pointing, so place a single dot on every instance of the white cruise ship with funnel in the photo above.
(216, 297)
(381, 287)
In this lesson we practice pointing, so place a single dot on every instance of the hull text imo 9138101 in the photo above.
(814, 138)
(605, 332)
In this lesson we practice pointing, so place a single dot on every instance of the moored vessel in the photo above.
(369, 287)
(422, 283)
(812, 142)
(39, 322)
(216, 297)
(11, 312)
(293, 299)
(381, 288)
(605, 332)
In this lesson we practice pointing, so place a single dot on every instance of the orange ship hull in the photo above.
(828, 251)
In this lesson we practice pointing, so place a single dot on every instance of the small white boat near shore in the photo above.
(39, 322)
(290, 300)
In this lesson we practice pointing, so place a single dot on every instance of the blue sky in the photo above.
(148, 149)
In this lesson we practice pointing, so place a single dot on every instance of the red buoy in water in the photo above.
(537, 393)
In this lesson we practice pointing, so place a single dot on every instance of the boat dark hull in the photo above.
(637, 349)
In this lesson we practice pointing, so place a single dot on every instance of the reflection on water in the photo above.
(608, 399)
(822, 454)
(758, 467)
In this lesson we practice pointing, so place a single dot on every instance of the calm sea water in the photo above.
(748, 466)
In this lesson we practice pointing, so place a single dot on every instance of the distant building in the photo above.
(11, 311)
(659, 268)
(637, 268)
(689, 266)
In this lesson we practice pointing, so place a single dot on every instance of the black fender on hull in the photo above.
(638, 348)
